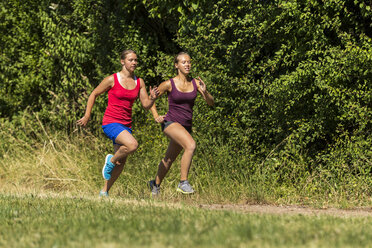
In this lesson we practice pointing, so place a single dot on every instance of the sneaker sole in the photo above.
(103, 169)
(184, 192)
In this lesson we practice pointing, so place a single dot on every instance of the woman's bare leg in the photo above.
(172, 152)
(180, 138)
(125, 144)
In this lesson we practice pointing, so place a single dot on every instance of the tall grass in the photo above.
(37, 158)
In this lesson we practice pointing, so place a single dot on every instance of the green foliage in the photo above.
(291, 79)
(272, 59)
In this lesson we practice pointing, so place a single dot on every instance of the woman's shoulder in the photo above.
(110, 77)
(196, 81)
(167, 82)
(141, 82)
(109, 80)
(166, 85)
(139, 79)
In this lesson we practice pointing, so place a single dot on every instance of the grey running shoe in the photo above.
(185, 188)
(155, 190)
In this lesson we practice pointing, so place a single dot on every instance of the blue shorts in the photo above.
(112, 130)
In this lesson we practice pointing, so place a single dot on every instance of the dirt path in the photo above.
(242, 208)
(293, 210)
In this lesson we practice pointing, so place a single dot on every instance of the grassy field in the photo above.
(49, 187)
(34, 221)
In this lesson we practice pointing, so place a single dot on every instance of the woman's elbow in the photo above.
(147, 105)
(210, 101)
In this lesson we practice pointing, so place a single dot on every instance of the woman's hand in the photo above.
(154, 93)
(160, 119)
(83, 121)
(203, 87)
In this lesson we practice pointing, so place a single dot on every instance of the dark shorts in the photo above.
(165, 124)
(112, 130)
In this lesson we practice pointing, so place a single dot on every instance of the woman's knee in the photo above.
(190, 146)
(130, 147)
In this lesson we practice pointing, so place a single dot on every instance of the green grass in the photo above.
(49, 185)
(31, 221)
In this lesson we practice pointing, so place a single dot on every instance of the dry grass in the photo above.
(50, 161)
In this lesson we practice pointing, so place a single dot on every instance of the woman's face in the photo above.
(184, 64)
(130, 62)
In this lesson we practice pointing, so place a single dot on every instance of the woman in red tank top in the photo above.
(123, 88)
(176, 124)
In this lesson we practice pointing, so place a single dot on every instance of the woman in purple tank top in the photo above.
(177, 123)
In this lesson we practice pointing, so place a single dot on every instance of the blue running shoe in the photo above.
(108, 167)
(103, 193)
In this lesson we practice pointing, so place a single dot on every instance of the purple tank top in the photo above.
(180, 105)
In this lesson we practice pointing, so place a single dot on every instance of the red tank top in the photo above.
(120, 102)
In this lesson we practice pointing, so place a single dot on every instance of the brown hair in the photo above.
(126, 52)
(179, 54)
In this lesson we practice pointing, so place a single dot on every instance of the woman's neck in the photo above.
(126, 74)
(183, 78)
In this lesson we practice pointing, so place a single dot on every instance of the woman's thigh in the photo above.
(126, 139)
(179, 134)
